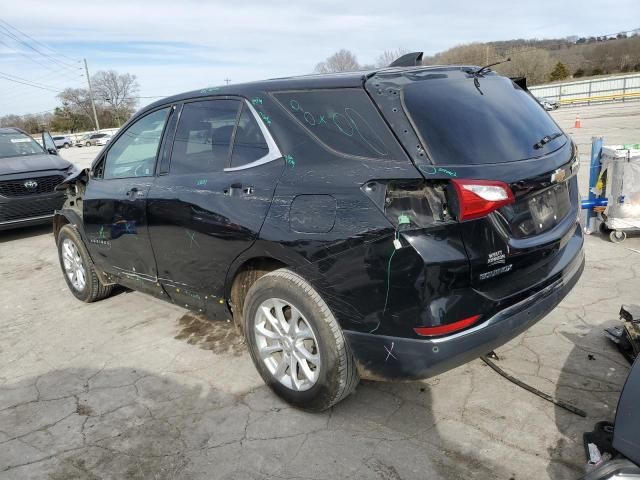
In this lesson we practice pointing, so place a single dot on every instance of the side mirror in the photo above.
(48, 143)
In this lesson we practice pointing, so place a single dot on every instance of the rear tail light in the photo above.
(409, 203)
(448, 328)
(478, 198)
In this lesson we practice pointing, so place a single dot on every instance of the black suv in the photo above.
(390, 224)
(29, 174)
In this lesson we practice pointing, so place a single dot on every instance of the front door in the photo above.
(115, 202)
(211, 202)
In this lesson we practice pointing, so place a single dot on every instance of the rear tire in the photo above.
(287, 323)
(78, 269)
(88, 144)
(66, 145)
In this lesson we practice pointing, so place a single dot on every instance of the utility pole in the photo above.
(93, 104)
(227, 80)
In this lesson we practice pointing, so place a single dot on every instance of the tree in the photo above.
(389, 56)
(559, 72)
(77, 101)
(117, 90)
(468, 54)
(342, 61)
(115, 97)
(597, 71)
(578, 73)
(532, 63)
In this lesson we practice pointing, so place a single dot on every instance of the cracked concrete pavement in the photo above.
(132, 387)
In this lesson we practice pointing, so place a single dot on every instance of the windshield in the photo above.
(488, 119)
(16, 144)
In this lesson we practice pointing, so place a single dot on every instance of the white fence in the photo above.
(620, 88)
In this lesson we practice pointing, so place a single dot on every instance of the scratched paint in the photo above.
(192, 239)
(431, 170)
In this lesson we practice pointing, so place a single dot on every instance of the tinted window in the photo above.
(488, 121)
(15, 144)
(203, 138)
(344, 120)
(249, 144)
(133, 154)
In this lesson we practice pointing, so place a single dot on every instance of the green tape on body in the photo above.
(404, 220)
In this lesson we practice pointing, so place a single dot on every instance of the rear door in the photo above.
(211, 197)
(115, 201)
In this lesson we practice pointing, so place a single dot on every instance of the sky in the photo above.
(175, 46)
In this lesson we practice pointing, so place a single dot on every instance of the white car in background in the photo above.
(62, 141)
(102, 141)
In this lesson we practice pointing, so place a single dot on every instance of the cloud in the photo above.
(176, 46)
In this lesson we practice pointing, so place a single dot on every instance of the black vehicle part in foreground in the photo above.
(624, 442)
(29, 174)
(425, 220)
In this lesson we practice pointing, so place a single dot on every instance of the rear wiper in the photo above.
(481, 70)
(546, 139)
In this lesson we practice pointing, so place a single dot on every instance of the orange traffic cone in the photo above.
(577, 124)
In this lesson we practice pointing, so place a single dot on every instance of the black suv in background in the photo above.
(390, 224)
(29, 174)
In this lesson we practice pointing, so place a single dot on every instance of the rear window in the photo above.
(491, 120)
(344, 120)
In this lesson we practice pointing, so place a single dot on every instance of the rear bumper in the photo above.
(395, 358)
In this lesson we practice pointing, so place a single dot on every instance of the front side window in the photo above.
(134, 153)
(249, 144)
(203, 138)
(17, 144)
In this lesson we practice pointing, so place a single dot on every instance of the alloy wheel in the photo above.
(73, 265)
(286, 344)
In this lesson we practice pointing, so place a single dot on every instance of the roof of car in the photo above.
(301, 82)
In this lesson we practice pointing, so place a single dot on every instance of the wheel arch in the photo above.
(64, 217)
(263, 257)
(71, 217)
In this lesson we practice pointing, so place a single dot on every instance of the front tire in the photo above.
(78, 269)
(296, 343)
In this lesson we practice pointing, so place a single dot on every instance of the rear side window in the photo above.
(203, 138)
(249, 144)
(478, 121)
(345, 120)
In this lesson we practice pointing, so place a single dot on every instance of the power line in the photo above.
(33, 82)
(29, 84)
(9, 33)
(57, 70)
(57, 52)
